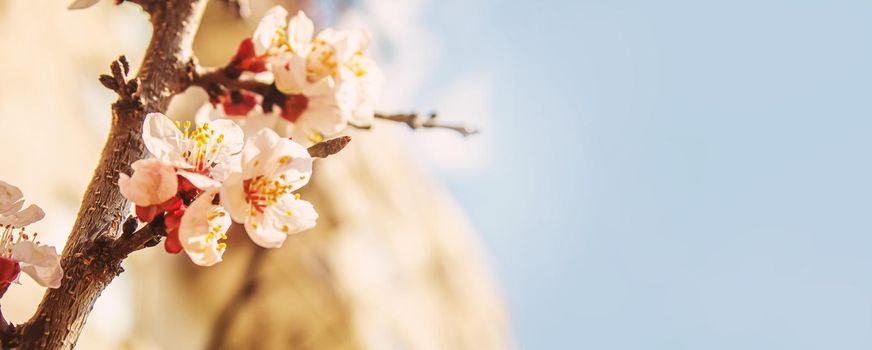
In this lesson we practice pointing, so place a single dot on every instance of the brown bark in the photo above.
(89, 260)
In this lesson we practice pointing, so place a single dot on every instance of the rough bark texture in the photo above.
(88, 260)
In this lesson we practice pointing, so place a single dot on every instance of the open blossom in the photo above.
(19, 251)
(326, 80)
(152, 188)
(202, 229)
(202, 155)
(261, 197)
(186, 161)
(250, 122)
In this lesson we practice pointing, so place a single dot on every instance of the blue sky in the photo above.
(671, 174)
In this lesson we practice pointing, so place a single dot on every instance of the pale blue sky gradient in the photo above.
(673, 174)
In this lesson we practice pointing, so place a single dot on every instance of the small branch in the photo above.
(127, 90)
(92, 257)
(330, 147)
(238, 300)
(217, 79)
(147, 236)
(414, 121)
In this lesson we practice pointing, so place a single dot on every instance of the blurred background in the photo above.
(652, 175)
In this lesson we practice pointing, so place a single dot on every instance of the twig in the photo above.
(330, 147)
(211, 78)
(89, 259)
(216, 80)
(238, 300)
(414, 121)
(146, 236)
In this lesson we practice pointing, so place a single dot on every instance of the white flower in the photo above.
(368, 80)
(274, 33)
(41, 262)
(11, 201)
(203, 227)
(203, 156)
(323, 117)
(10, 198)
(250, 123)
(153, 182)
(261, 195)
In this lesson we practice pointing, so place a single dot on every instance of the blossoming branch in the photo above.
(281, 102)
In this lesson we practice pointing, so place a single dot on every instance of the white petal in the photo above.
(82, 4)
(233, 140)
(200, 181)
(250, 124)
(153, 182)
(164, 139)
(41, 262)
(201, 228)
(23, 218)
(267, 154)
(12, 210)
(268, 28)
(295, 214)
(10, 196)
(263, 232)
(233, 197)
(289, 216)
(369, 87)
(290, 73)
(300, 31)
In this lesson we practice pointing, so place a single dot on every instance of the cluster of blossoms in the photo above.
(201, 177)
(233, 165)
(322, 82)
(20, 251)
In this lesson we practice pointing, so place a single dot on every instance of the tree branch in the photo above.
(88, 259)
(216, 80)
(414, 121)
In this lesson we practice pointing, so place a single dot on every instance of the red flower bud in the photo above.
(147, 214)
(172, 221)
(246, 59)
(239, 103)
(294, 106)
(9, 270)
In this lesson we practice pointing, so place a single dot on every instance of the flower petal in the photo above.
(233, 138)
(164, 140)
(10, 196)
(202, 226)
(290, 73)
(200, 181)
(31, 214)
(233, 197)
(264, 232)
(267, 154)
(289, 216)
(270, 25)
(300, 31)
(41, 262)
(9, 271)
(153, 182)
(296, 215)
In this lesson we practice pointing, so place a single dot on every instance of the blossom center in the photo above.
(201, 146)
(262, 192)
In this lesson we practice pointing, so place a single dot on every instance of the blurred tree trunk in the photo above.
(392, 263)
